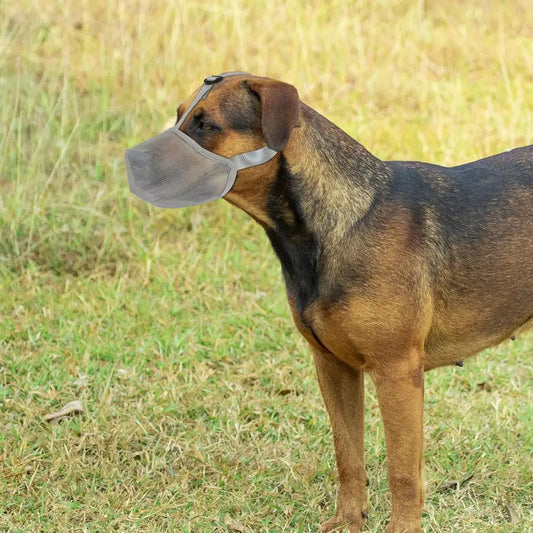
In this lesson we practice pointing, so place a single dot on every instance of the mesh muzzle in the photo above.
(167, 171)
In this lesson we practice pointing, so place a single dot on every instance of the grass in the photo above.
(202, 409)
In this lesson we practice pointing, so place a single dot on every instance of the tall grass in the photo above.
(202, 411)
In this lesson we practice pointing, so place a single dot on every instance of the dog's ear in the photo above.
(280, 110)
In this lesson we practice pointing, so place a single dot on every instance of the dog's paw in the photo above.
(350, 523)
(403, 528)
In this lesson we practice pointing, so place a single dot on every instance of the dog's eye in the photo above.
(202, 123)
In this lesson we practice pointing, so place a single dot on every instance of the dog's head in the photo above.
(243, 113)
(233, 123)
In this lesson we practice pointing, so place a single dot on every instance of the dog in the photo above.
(391, 268)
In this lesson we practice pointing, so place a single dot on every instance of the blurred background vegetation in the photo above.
(171, 326)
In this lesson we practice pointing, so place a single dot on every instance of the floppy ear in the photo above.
(280, 110)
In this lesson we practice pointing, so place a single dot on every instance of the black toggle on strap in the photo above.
(210, 80)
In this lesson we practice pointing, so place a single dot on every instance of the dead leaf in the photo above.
(232, 525)
(466, 479)
(455, 484)
(71, 408)
(284, 392)
(510, 512)
(450, 484)
(485, 385)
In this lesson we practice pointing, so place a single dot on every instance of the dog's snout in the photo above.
(138, 159)
(139, 163)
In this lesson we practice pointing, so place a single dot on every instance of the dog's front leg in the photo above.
(342, 388)
(400, 389)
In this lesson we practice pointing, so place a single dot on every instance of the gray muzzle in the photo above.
(173, 170)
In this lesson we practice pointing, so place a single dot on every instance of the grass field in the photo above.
(202, 412)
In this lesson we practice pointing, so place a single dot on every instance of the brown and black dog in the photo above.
(392, 268)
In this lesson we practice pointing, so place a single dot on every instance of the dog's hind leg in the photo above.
(400, 389)
(342, 388)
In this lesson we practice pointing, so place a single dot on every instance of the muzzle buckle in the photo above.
(211, 80)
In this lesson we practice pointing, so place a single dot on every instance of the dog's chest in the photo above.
(297, 254)
(328, 332)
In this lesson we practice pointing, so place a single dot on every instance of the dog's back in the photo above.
(476, 227)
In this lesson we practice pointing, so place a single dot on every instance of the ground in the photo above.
(202, 411)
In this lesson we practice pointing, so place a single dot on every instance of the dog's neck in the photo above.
(334, 179)
(319, 187)
(327, 173)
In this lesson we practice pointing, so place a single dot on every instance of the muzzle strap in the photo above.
(205, 89)
(202, 93)
(253, 158)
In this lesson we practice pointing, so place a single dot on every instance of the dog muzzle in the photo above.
(173, 170)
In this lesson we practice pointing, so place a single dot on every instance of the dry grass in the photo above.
(203, 413)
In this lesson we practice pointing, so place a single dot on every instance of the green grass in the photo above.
(202, 409)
